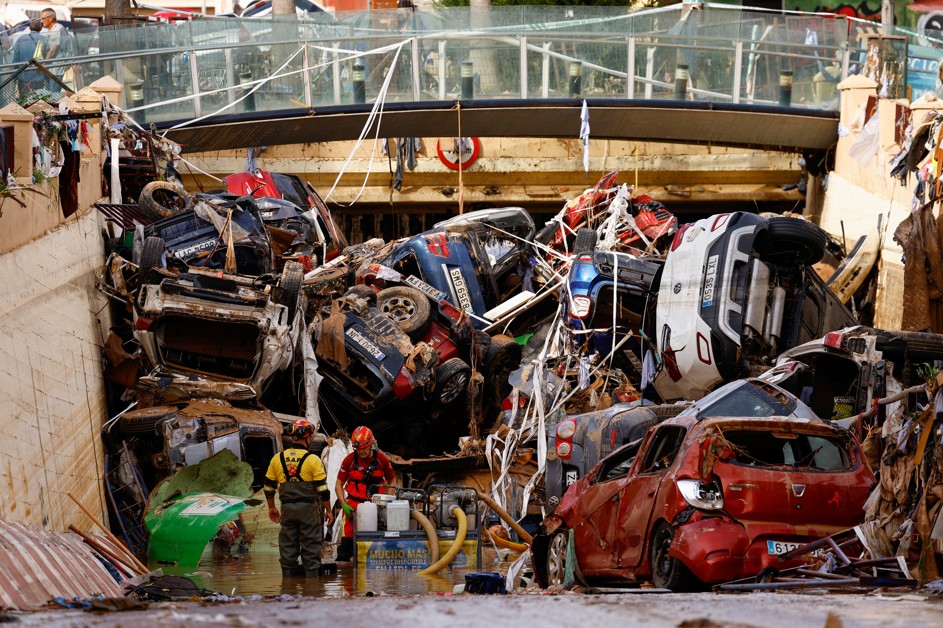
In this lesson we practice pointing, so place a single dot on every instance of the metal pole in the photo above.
(468, 80)
(359, 81)
(417, 87)
(336, 74)
(523, 67)
(737, 70)
(576, 76)
(306, 74)
(195, 82)
(545, 73)
(630, 71)
(785, 88)
(443, 61)
(681, 82)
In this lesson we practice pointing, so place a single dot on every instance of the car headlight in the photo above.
(706, 496)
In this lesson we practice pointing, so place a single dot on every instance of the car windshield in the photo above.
(751, 399)
(788, 450)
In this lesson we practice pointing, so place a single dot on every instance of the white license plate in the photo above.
(781, 547)
(424, 288)
(570, 478)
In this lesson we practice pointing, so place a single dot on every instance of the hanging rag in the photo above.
(648, 370)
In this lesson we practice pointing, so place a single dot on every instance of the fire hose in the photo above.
(506, 544)
(501, 512)
(450, 555)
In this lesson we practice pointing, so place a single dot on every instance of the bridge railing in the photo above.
(715, 53)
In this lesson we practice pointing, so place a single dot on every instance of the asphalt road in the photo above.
(699, 610)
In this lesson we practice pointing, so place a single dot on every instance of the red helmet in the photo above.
(362, 437)
(302, 428)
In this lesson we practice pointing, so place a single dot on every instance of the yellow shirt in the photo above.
(312, 471)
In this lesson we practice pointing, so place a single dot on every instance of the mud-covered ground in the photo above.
(700, 610)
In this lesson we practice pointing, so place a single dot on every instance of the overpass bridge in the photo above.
(693, 73)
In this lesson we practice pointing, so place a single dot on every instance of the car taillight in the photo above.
(143, 324)
(508, 403)
(585, 258)
(679, 236)
(833, 339)
(451, 311)
(564, 450)
(404, 384)
(703, 495)
(438, 244)
(579, 307)
(566, 429)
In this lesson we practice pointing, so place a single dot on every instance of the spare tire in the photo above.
(409, 308)
(163, 199)
(289, 287)
(585, 241)
(791, 240)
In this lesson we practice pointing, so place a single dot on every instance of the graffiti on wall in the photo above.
(864, 10)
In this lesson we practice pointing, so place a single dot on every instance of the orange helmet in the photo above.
(362, 437)
(302, 428)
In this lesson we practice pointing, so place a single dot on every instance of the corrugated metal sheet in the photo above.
(37, 565)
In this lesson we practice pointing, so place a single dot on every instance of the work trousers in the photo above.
(302, 534)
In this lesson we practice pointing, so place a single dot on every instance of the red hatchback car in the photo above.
(702, 501)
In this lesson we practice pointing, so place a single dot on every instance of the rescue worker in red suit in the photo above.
(299, 477)
(360, 474)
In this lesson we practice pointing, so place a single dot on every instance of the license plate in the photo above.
(781, 547)
(365, 344)
(424, 288)
(570, 478)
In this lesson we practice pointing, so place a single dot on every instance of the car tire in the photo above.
(451, 380)
(791, 240)
(668, 572)
(556, 559)
(289, 285)
(408, 308)
(145, 421)
(669, 410)
(502, 358)
(163, 199)
(585, 241)
(366, 293)
(152, 253)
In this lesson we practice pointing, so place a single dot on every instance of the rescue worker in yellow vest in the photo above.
(299, 477)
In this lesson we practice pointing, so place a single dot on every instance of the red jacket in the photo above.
(359, 476)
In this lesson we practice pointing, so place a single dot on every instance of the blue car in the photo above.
(477, 259)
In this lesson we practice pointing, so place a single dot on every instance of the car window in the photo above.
(618, 464)
(408, 264)
(664, 448)
(629, 308)
(788, 450)
(751, 399)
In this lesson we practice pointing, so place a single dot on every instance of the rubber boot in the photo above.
(313, 573)
(345, 550)
(288, 573)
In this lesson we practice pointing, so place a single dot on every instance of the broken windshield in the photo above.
(787, 449)
(748, 400)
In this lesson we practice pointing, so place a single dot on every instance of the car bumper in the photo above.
(720, 549)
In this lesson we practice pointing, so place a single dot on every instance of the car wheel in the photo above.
(289, 285)
(145, 421)
(163, 199)
(556, 559)
(668, 572)
(451, 380)
(791, 240)
(502, 358)
(152, 253)
(585, 241)
(408, 308)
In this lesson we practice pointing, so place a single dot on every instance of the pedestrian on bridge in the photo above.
(299, 478)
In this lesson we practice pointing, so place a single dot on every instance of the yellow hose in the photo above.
(501, 512)
(506, 544)
(423, 521)
(450, 555)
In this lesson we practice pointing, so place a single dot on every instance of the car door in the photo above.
(597, 511)
(638, 496)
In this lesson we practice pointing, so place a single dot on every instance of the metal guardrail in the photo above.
(713, 53)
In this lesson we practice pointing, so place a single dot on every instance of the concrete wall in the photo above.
(52, 395)
(860, 190)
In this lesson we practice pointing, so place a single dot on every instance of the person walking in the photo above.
(55, 33)
(360, 473)
(299, 478)
(31, 45)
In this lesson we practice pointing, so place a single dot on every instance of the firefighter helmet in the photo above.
(362, 438)
(302, 428)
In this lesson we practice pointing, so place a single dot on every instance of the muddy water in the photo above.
(257, 571)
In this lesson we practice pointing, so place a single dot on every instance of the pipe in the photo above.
(450, 555)
(501, 512)
(501, 542)
(423, 521)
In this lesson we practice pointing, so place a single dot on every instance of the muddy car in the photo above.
(406, 363)
(168, 437)
(702, 501)
(581, 440)
(477, 259)
(736, 291)
(227, 327)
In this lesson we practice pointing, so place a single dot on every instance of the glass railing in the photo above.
(709, 53)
